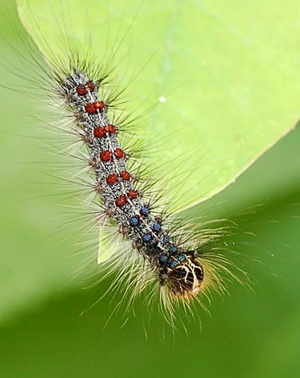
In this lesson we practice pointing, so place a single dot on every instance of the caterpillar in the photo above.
(157, 251)
(169, 259)
(176, 267)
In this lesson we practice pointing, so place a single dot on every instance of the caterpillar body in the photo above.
(175, 267)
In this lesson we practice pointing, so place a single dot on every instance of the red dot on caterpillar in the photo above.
(119, 153)
(81, 90)
(132, 194)
(121, 201)
(91, 86)
(105, 155)
(109, 129)
(125, 175)
(90, 108)
(99, 105)
(112, 179)
(99, 132)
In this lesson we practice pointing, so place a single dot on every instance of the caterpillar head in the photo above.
(185, 280)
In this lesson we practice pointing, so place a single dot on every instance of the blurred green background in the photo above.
(251, 333)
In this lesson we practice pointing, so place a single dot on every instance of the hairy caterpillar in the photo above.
(176, 267)
(177, 260)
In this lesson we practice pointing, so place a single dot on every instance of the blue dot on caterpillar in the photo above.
(176, 268)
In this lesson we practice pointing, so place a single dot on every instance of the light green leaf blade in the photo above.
(229, 72)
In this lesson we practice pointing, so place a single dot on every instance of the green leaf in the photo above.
(229, 72)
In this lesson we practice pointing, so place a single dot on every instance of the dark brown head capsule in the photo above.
(184, 277)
